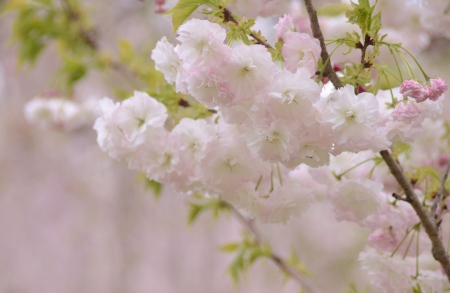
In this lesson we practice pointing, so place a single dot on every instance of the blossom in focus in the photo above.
(420, 93)
(123, 127)
(247, 72)
(166, 60)
(201, 42)
(413, 89)
(352, 117)
(300, 50)
(406, 112)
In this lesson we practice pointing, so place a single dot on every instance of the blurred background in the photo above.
(74, 220)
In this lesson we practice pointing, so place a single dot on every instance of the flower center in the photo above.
(275, 139)
(350, 114)
(301, 55)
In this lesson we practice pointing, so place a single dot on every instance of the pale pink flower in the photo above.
(389, 274)
(202, 42)
(315, 144)
(138, 113)
(109, 136)
(285, 201)
(406, 113)
(228, 165)
(203, 84)
(355, 200)
(194, 136)
(285, 24)
(128, 129)
(167, 60)
(300, 50)
(247, 72)
(292, 96)
(160, 160)
(352, 118)
(273, 142)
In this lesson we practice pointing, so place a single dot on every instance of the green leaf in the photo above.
(277, 52)
(400, 147)
(183, 10)
(156, 187)
(126, 51)
(417, 289)
(427, 171)
(230, 247)
(194, 212)
(332, 10)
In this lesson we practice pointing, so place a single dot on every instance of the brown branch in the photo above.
(307, 286)
(228, 17)
(368, 41)
(440, 194)
(428, 223)
(398, 197)
(317, 33)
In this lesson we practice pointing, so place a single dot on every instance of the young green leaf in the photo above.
(183, 10)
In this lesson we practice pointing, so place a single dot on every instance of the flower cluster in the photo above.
(278, 137)
(197, 156)
(420, 93)
(59, 114)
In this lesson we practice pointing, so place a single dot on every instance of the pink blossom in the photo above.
(437, 88)
(284, 25)
(301, 50)
(406, 112)
(202, 42)
(415, 90)
(355, 200)
(352, 118)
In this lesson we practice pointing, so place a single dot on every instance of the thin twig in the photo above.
(228, 16)
(307, 286)
(440, 194)
(429, 225)
(398, 197)
(317, 33)
(367, 42)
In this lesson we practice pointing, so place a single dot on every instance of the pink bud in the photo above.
(415, 90)
(337, 67)
(443, 160)
(361, 89)
(160, 2)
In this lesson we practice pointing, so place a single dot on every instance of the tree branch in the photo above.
(440, 194)
(428, 223)
(317, 33)
(307, 286)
